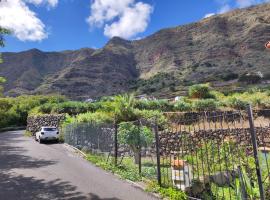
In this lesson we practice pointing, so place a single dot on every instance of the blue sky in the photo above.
(54, 25)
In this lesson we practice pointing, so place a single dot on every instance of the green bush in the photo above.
(237, 103)
(200, 91)
(135, 136)
(2, 80)
(161, 105)
(205, 105)
(168, 193)
(182, 106)
(14, 111)
(97, 118)
(129, 172)
(68, 107)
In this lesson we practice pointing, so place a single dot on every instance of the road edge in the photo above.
(132, 183)
(76, 149)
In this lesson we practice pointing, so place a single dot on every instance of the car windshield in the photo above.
(49, 129)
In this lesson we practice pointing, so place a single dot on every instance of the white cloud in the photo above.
(123, 18)
(227, 5)
(245, 3)
(51, 3)
(209, 15)
(16, 16)
(224, 8)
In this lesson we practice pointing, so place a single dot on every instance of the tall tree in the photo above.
(3, 32)
(2, 80)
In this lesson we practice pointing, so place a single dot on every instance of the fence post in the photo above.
(255, 151)
(157, 152)
(115, 143)
(140, 151)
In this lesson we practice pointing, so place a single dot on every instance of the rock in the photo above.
(223, 178)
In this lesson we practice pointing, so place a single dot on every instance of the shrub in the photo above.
(14, 111)
(97, 117)
(200, 91)
(2, 80)
(182, 106)
(124, 108)
(68, 107)
(205, 105)
(151, 115)
(265, 104)
(136, 137)
(161, 105)
(237, 103)
(168, 193)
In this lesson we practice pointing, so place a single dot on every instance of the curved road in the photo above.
(29, 170)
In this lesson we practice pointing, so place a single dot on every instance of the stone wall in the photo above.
(214, 116)
(188, 141)
(188, 131)
(34, 123)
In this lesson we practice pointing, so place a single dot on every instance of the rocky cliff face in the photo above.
(208, 50)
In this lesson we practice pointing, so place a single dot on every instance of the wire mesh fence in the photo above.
(139, 144)
(90, 136)
(209, 155)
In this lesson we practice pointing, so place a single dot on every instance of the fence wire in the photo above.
(209, 155)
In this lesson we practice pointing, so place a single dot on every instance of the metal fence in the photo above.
(90, 136)
(216, 156)
(211, 155)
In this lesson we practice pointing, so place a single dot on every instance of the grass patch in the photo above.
(27, 134)
(125, 171)
(168, 193)
(128, 170)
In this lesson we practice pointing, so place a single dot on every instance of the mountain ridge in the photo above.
(231, 44)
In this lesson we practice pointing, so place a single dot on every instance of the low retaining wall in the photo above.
(214, 116)
(34, 123)
(172, 141)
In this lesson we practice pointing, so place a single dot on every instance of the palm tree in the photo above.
(124, 108)
(2, 80)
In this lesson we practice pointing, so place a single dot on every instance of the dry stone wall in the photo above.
(173, 141)
(226, 116)
(188, 131)
(34, 123)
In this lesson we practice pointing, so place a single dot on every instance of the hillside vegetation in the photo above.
(202, 97)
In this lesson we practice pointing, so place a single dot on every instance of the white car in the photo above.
(46, 134)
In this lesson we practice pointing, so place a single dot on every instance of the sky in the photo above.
(56, 25)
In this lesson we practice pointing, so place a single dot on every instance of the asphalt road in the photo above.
(29, 170)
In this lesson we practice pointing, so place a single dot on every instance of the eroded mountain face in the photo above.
(208, 50)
